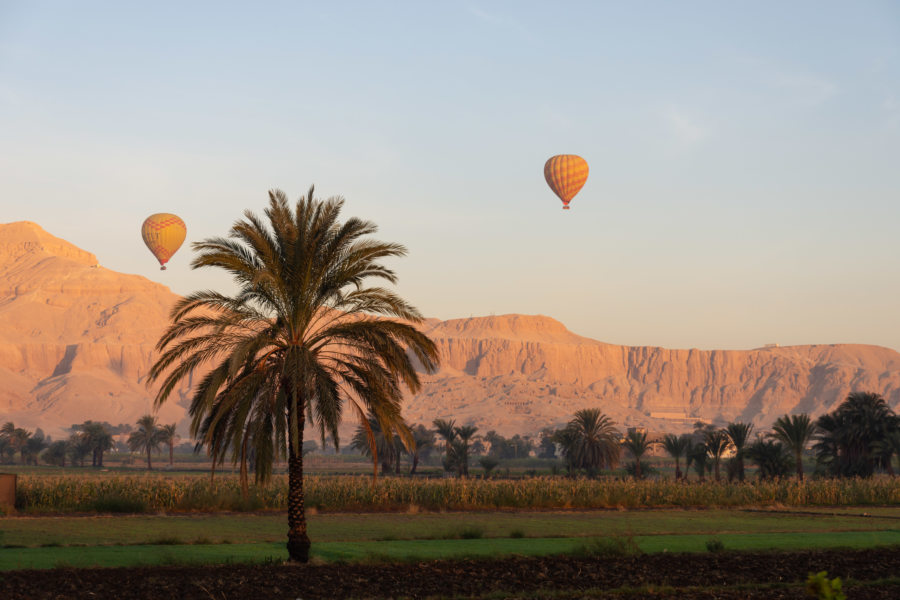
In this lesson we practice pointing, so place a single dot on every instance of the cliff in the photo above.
(77, 340)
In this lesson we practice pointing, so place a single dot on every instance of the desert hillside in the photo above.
(76, 342)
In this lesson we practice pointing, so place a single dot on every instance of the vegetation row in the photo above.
(41, 494)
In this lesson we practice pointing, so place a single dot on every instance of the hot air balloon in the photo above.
(566, 174)
(163, 233)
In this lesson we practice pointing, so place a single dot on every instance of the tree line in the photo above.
(859, 438)
(91, 438)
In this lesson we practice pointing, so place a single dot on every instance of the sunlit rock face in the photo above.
(517, 373)
(77, 341)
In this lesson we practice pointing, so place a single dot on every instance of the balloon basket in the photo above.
(162, 268)
(566, 207)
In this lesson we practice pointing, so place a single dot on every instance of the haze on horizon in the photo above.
(744, 177)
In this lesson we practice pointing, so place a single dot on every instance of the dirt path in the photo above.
(719, 574)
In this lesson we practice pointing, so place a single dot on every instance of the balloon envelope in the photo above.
(566, 174)
(163, 233)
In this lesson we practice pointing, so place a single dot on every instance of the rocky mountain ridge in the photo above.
(77, 340)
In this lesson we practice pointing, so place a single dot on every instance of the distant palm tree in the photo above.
(464, 436)
(146, 438)
(34, 445)
(446, 428)
(676, 446)
(849, 435)
(590, 441)
(794, 431)
(637, 444)
(772, 459)
(169, 437)
(488, 463)
(424, 443)
(717, 443)
(97, 438)
(386, 448)
(739, 434)
(698, 456)
(303, 337)
(56, 453)
(887, 447)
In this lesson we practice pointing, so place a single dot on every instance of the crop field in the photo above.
(46, 542)
(157, 492)
(131, 520)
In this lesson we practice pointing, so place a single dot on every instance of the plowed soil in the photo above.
(706, 576)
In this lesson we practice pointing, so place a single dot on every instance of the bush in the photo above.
(715, 546)
(819, 586)
(609, 547)
(471, 532)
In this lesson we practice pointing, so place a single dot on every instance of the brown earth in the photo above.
(691, 575)
(76, 343)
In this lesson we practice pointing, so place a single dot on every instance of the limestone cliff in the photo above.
(76, 343)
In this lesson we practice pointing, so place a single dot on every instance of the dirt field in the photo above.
(725, 575)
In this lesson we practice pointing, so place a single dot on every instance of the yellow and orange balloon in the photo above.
(163, 233)
(566, 174)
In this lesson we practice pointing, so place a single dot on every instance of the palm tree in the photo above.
(56, 453)
(386, 448)
(771, 457)
(739, 434)
(169, 437)
(34, 445)
(887, 447)
(97, 438)
(302, 338)
(17, 439)
(676, 446)
(146, 438)
(698, 455)
(717, 443)
(446, 428)
(424, 443)
(488, 463)
(794, 431)
(78, 447)
(464, 435)
(637, 444)
(590, 441)
(848, 436)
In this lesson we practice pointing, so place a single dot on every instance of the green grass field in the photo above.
(47, 542)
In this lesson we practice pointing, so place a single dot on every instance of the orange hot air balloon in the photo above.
(163, 233)
(566, 174)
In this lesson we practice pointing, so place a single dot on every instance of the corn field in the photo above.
(148, 493)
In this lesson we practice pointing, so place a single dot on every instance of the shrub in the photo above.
(819, 586)
(471, 532)
(609, 546)
(715, 545)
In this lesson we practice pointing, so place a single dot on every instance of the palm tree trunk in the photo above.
(415, 463)
(716, 463)
(100, 459)
(245, 486)
(637, 467)
(172, 453)
(740, 459)
(298, 541)
(149, 464)
(677, 469)
(798, 454)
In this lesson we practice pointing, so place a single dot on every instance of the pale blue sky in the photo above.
(745, 156)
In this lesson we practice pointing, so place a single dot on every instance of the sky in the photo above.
(745, 156)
